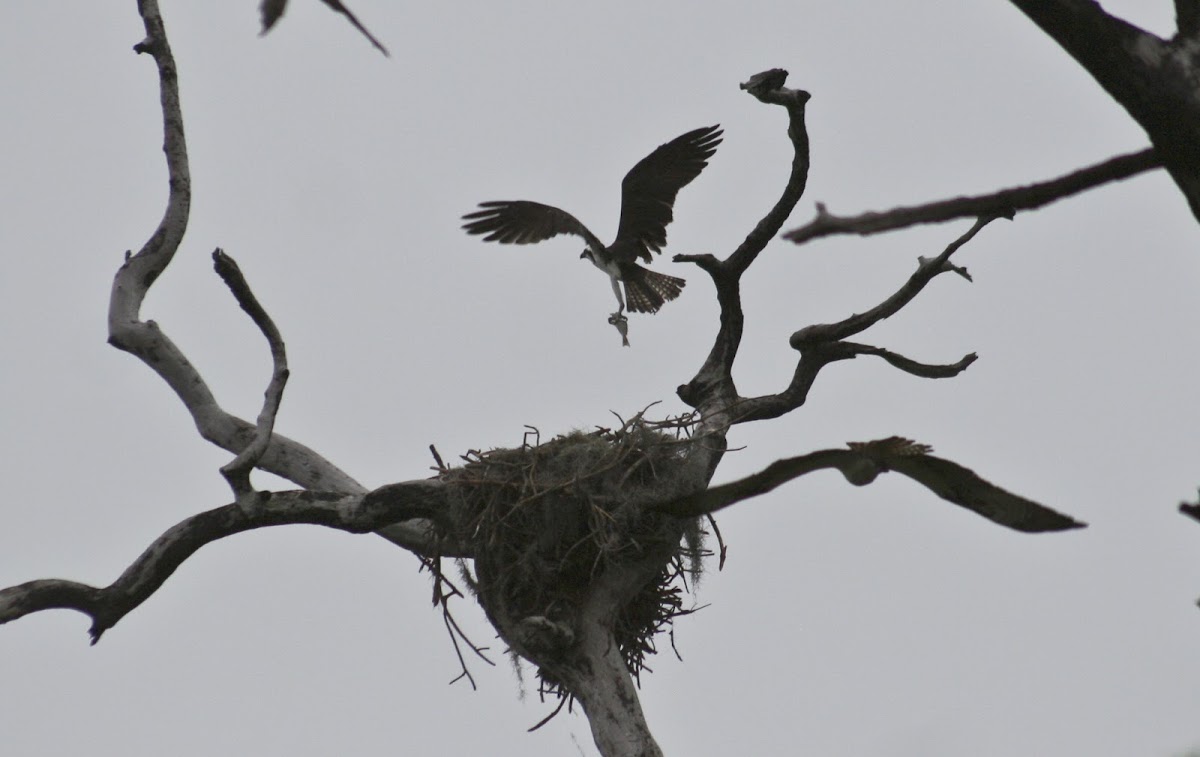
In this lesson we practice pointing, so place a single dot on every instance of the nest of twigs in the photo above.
(545, 520)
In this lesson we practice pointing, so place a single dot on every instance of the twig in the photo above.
(720, 541)
(562, 702)
(441, 466)
(442, 598)
(237, 471)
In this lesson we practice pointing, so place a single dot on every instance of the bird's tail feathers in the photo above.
(646, 290)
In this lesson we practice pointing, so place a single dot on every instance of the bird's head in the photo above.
(587, 253)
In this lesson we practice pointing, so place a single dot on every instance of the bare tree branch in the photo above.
(860, 322)
(1152, 79)
(237, 471)
(863, 462)
(712, 391)
(712, 387)
(146, 341)
(1003, 203)
(821, 344)
(768, 88)
(908, 365)
(423, 501)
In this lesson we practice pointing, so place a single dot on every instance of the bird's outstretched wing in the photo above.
(524, 222)
(648, 190)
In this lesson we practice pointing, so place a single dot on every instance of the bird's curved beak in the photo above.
(583, 254)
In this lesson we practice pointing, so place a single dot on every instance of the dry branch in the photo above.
(860, 322)
(237, 471)
(1003, 203)
(821, 344)
(1153, 79)
(712, 391)
(712, 388)
(908, 365)
(347, 512)
(862, 462)
(147, 341)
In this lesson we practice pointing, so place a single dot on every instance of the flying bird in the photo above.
(647, 197)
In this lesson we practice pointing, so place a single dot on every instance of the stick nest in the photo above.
(545, 520)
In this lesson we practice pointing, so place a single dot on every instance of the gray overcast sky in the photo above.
(848, 621)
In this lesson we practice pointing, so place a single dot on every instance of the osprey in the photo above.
(647, 196)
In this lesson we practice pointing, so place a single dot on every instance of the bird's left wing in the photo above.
(649, 189)
(524, 222)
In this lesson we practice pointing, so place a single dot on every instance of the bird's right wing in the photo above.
(524, 222)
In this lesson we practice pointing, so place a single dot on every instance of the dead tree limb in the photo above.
(237, 471)
(1153, 79)
(712, 389)
(905, 294)
(423, 501)
(862, 462)
(149, 343)
(1003, 203)
(822, 344)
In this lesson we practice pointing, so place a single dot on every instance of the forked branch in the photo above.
(823, 343)
(146, 341)
(413, 500)
(712, 388)
(237, 471)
